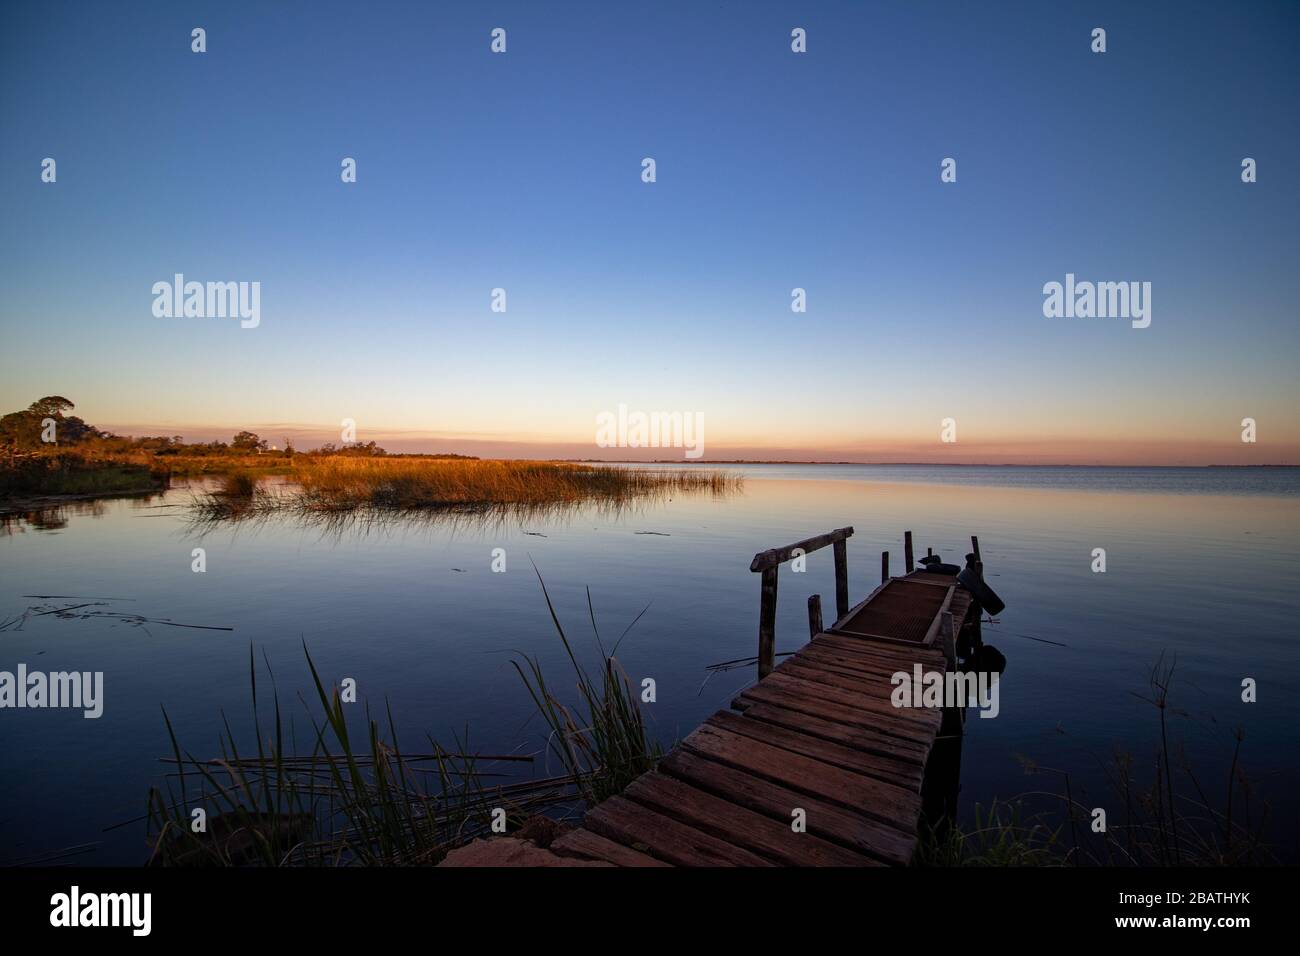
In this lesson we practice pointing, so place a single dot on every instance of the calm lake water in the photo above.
(1202, 563)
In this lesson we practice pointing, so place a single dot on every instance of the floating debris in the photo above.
(78, 612)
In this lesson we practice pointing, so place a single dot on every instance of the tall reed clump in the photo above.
(350, 802)
(602, 742)
(348, 483)
(237, 495)
(237, 486)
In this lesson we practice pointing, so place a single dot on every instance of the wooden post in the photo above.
(948, 638)
(907, 552)
(975, 546)
(884, 566)
(815, 616)
(767, 623)
(929, 552)
(841, 579)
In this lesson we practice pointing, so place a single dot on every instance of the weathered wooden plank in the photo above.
(847, 662)
(906, 654)
(816, 705)
(881, 684)
(886, 802)
(859, 662)
(932, 633)
(636, 826)
(906, 773)
(867, 740)
(825, 820)
(876, 685)
(739, 825)
(881, 663)
(915, 721)
(774, 556)
(869, 647)
(879, 666)
(592, 846)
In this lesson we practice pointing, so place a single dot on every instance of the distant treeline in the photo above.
(44, 427)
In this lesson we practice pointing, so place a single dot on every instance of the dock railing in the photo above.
(769, 561)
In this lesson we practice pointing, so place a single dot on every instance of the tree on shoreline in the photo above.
(22, 431)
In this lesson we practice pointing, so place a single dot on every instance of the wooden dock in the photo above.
(816, 740)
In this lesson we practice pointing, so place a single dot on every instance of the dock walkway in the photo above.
(816, 740)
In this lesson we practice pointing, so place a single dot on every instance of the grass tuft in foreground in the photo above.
(602, 744)
(354, 800)
(1001, 836)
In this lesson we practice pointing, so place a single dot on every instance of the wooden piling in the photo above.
(841, 578)
(975, 546)
(767, 623)
(815, 616)
(907, 552)
(884, 566)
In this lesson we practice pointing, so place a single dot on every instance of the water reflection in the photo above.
(56, 516)
(423, 624)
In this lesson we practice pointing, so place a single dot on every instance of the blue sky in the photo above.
(775, 170)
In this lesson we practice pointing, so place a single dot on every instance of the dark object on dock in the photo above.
(973, 582)
(935, 566)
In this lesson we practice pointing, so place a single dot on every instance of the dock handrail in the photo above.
(769, 561)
